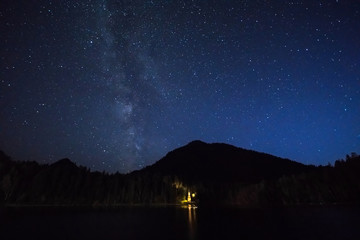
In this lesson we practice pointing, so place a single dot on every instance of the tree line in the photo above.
(64, 183)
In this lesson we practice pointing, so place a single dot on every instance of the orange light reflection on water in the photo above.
(192, 221)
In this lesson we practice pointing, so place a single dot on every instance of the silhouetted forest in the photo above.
(215, 174)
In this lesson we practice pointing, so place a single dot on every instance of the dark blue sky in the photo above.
(115, 85)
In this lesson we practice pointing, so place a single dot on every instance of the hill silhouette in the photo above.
(218, 162)
(214, 174)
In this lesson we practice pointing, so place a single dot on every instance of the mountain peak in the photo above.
(4, 157)
(200, 161)
(65, 162)
(196, 143)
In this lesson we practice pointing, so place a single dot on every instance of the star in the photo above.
(116, 85)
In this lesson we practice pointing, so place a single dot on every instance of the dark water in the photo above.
(180, 223)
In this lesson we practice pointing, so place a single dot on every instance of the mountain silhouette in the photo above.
(64, 165)
(199, 161)
(214, 174)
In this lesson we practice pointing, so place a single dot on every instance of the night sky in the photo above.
(115, 85)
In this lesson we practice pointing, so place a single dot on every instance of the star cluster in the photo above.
(114, 85)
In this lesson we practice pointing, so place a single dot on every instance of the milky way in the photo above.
(115, 85)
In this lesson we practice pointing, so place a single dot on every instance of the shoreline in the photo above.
(164, 205)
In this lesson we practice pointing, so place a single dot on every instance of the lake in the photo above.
(180, 223)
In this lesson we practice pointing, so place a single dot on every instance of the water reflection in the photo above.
(180, 223)
(192, 221)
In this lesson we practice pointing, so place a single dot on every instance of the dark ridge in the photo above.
(65, 162)
(4, 157)
(199, 161)
(196, 143)
(217, 174)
